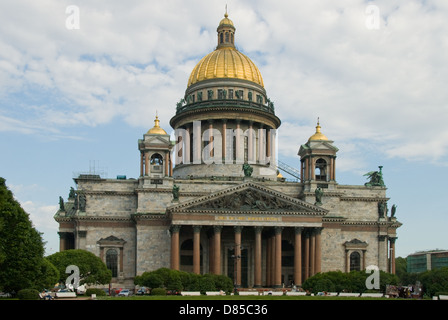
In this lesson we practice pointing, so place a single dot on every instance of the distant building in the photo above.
(427, 260)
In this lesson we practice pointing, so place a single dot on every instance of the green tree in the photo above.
(48, 275)
(21, 246)
(149, 279)
(434, 281)
(354, 281)
(92, 269)
(401, 267)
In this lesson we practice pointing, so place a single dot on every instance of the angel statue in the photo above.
(376, 178)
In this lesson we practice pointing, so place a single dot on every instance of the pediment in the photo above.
(246, 198)
(318, 145)
(157, 139)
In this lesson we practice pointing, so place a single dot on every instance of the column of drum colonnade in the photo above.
(307, 253)
(192, 137)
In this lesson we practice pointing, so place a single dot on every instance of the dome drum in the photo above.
(229, 112)
(225, 93)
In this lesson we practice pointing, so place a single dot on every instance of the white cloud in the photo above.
(317, 59)
(41, 215)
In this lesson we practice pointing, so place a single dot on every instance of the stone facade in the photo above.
(194, 207)
(142, 218)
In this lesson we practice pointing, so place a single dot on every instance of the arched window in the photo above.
(156, 159)
(355, 261)
(321, 170)
(112, 261)
(221, 38)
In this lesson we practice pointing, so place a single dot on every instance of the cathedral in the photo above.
(213, 200)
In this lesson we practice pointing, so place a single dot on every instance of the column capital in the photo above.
(175, 227)
(217, 229)
(197, 228)
(238, 229)
(258, 229)
(298, 230)
(278, 230)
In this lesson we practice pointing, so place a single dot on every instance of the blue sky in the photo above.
(374, 72)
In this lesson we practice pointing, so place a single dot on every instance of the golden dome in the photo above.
(226, 61)
(156, 129)
(318, 135)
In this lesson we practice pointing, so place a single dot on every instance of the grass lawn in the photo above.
(237, 298)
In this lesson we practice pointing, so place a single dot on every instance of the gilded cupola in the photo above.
(226, 62)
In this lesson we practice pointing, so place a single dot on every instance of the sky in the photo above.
(81, 82)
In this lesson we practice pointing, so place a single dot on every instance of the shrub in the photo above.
(158, 292)
(223, 282)
(206, 283)
(96, 291)
(181, 280)
(28, 294)
(324, 285)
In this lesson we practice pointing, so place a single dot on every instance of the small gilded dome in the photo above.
(156, 129)
(226, 21)
(318, 135)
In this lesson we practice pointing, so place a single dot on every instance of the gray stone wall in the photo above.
(153, 248)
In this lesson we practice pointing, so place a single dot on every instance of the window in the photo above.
(112, 261)
(321, 170)
(355, 261)
(156, 159)
(222, 94)
(246, 149)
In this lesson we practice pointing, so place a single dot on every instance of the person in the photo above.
(46, 295)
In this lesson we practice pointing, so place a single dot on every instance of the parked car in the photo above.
(142, 291)
(124, 293)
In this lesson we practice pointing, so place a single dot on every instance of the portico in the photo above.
(274, 244)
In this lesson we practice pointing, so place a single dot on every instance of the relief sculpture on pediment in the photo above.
(248, 200)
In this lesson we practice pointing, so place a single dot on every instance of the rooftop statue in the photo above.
(247, 170)
(175, 193)
(376, 178)
(318, 193)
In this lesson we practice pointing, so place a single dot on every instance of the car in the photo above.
(124, 293)
(142, 291)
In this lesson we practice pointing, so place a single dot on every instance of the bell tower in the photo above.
(318, 161)
(155, 155)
